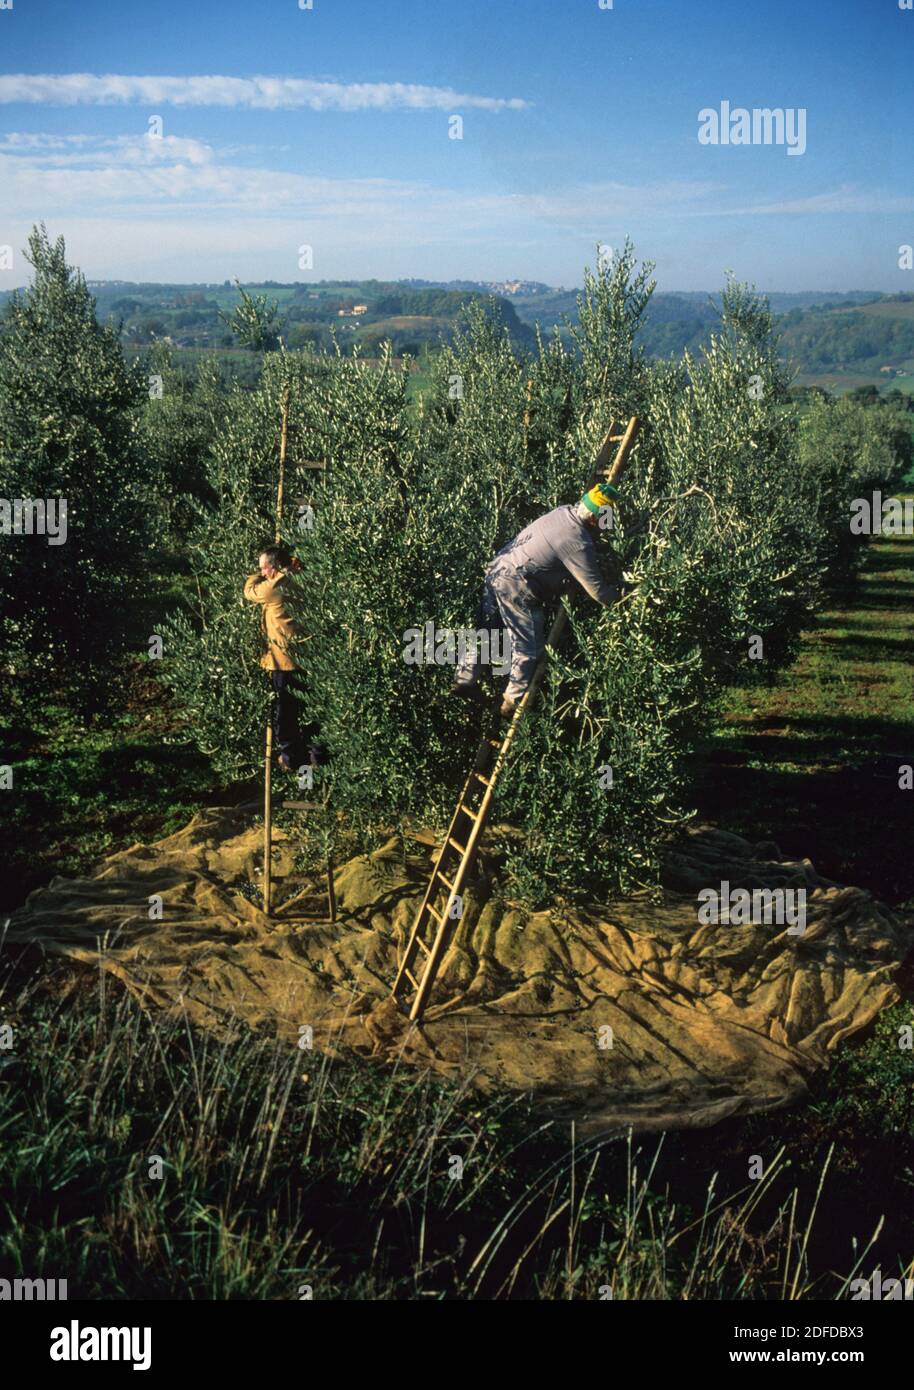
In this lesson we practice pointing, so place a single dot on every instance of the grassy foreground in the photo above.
(144, 1160)
(813, 763)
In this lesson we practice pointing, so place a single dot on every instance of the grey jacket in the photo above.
(550, 549)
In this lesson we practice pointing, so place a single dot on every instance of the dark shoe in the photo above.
(508, 709)
(467, 690)
(318, 756)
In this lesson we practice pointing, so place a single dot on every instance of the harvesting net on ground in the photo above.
(630, 1012)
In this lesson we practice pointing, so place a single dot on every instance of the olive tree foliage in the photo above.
(68, 430)
(612, 378)
(180, 419)
(350, 526)
(718, 544)
(254, 321)
(372, 571)
(847, 450)
(713, 547)
(212, 643)
(730, 432)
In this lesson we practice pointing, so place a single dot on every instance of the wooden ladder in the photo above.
(441, 908)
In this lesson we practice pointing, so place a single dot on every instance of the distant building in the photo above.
(513, 287)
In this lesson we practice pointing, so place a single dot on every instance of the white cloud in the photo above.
(135, 176)
(136, 207)
(27, 140)
(846, 198)
(77, 151)
(44, 174)
(609, 199)
(270, 93)
(141, 174)
(139, 207)
(168, 249)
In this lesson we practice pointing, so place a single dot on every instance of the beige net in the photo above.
(630, 1013)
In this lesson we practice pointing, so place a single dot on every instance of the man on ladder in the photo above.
(527, 573)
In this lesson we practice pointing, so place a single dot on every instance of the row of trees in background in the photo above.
(735, 521)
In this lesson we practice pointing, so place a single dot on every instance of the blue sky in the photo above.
(329, 127)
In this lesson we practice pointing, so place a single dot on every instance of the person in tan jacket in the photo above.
(270, 587)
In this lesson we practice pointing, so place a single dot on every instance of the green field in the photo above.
(838, 382)
(889, 308)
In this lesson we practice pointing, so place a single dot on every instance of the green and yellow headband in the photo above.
(600, 495)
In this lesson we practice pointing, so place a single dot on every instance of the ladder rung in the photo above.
(486, 781)
(437, 915)
(446, 881)
(419, 942)
(461, 848)
(495, 742)
(411, 977)
(473, 815)
(614, 438)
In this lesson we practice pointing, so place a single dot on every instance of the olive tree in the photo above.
(69, 408)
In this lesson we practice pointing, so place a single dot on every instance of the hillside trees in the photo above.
(825, 338)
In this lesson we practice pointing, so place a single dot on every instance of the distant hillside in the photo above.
(678, 321)
(358, 311)
(847, 346)
(832, 339)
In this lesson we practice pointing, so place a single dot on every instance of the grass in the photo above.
(886, 309)
(145, 1160)
(839, 380)
(812, 763)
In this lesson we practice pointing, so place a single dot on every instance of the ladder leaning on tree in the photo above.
(434, 924)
